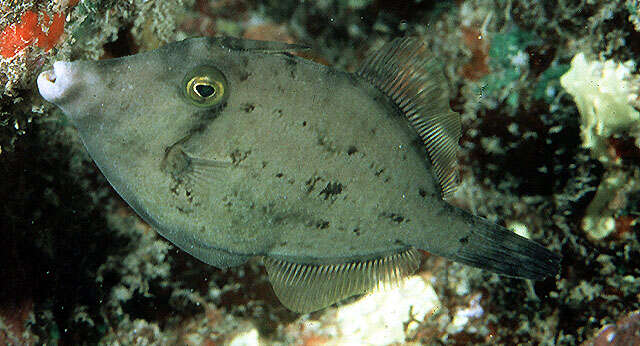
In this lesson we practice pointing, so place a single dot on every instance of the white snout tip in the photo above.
(53, 84)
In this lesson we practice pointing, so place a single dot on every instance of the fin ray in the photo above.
(404, 71)
(310, 287)
(204, 170)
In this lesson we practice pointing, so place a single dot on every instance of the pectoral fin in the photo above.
(309, 287)
(184, 166)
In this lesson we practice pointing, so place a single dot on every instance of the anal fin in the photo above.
(309, 287)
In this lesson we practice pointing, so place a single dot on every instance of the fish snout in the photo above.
(55, 84)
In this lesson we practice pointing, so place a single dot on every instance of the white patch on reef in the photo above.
(492, 145)
(248, 338)
(383, 317)
(605, 93)
(463, 316)
(520, 59)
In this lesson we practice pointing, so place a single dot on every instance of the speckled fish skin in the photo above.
(303, 162)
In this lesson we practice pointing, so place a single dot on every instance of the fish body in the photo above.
(234, 148)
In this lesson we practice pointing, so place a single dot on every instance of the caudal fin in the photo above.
(499, 250)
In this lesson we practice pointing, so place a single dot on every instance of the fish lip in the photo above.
(55, 83)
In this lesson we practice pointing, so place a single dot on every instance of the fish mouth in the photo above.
(54, 84)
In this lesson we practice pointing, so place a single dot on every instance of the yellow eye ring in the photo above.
(206, 86)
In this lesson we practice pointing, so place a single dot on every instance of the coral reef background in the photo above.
(77, 266)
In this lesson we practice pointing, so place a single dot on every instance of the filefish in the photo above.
(235, 148)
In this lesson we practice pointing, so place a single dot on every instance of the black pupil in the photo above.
(205, 90)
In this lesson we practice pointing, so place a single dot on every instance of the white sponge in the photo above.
(605, 93)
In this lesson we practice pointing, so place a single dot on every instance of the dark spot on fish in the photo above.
(386, 180)
(290, 59)
(373, 131)
(279, 112)
(322, 224)
(238, 156)
(464, 240)
(333, 72)
(378, 172)
(417, 143)
(291, 62)
(356, 231)
(278, 219)
(205, 117)
(352, 150)
(111, 84)
(198, 127)
(326, 143)
(248, 107)
(229, 42)
(264, 164)
(394, 217)
(311, 183)
(244, 75)
(279, 175)
(304, 123)
(332, 189)
(354, 80)
(422, 192)
(398, 242)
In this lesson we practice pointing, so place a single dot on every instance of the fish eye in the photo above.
(205, 86)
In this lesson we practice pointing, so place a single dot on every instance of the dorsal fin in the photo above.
(404, 70)
(309, 287)
(259, 46)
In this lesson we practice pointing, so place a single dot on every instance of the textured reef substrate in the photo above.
(77, 266)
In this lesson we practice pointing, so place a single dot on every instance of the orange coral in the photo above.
(18, 36)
